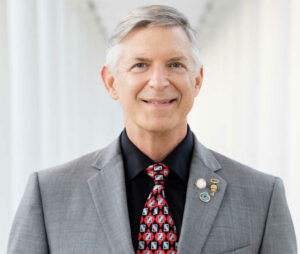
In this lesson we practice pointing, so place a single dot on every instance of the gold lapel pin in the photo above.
(213, 186)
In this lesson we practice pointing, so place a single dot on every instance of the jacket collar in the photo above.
(108, 191)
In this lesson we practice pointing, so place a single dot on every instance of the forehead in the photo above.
(156, 42)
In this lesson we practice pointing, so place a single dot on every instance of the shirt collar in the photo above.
(135, 161)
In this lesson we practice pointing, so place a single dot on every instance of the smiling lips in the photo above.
(159, 101)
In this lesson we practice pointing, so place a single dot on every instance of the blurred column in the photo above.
(25, 150)
(5, 137)
(294, 105)
(48, 80)
(67, 37)
(274, 86)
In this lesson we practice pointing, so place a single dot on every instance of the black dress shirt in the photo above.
(139, 184)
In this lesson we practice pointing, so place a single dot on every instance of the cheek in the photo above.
(128, 96)
(188, 103)
(132, 85)
(188, 96)
(186, 88)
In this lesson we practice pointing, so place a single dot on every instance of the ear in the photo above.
(198, 80)
(109, 82)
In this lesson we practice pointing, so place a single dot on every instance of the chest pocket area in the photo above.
(231, 230)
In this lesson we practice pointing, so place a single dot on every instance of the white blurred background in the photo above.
(53, 106)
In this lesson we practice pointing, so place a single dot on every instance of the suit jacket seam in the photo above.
(267, 214)
(42, 210)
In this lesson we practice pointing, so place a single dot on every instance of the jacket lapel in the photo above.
(198, 217)
(109, 195)
(108, 191)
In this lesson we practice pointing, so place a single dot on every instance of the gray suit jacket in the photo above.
(81, 207)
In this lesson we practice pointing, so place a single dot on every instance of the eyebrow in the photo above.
(177, 58)
(142, 59)
(173, 59)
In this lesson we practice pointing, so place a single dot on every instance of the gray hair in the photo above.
(150, 16)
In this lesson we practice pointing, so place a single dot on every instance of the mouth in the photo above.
(159, 101)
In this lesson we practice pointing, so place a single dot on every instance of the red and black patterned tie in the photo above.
(157, 233)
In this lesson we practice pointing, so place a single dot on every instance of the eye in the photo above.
(139, 65)
(176, 65)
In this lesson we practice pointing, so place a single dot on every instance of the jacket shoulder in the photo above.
(76, 166)
(80, 168)
(237, 173)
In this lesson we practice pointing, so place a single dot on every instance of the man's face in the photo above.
(155, 79)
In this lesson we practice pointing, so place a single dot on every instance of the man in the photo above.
(155, 189)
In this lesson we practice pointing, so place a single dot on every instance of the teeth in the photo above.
(156, 102)
(159, 102)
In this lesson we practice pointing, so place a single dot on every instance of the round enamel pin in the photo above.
(204, 196)
(201, 183)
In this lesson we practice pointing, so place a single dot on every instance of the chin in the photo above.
(158, 125)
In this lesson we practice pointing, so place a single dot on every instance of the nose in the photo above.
(158, 78)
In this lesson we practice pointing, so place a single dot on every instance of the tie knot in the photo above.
(158, 172)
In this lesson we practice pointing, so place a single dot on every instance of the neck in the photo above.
(155, 144)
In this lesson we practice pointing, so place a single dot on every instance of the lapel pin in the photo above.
(204, 196)
(201, 183)
(213, 186)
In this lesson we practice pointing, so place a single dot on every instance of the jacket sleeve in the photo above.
(28, 233)
(279, 234)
